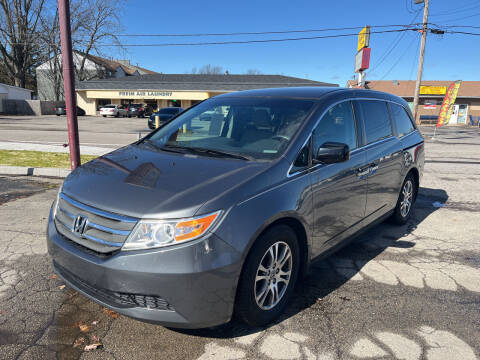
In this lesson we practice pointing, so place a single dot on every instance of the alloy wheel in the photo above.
(406, 202)
(273, 275)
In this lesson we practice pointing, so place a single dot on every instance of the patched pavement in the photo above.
(410, 292)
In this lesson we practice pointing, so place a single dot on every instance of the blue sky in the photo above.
(448, 57)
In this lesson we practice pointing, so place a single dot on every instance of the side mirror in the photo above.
(332, 152)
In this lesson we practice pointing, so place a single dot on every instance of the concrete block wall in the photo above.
(28, 107)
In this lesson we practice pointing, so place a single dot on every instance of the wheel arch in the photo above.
(300, 231)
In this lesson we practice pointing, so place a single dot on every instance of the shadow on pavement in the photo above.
(322, 279)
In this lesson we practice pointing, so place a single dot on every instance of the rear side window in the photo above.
(402, 121)
(337, 125)
(376, 119)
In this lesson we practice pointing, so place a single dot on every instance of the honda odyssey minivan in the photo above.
(213, 217)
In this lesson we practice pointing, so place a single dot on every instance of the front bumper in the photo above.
(186, 286)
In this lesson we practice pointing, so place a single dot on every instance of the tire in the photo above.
(260, 313)
(117, 115)
(104, 115)
(57, 114)
(403, 210)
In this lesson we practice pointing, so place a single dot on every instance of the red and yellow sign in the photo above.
(363, 38)
(447, 105)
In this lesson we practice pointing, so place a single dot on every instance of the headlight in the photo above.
(55, 204)
(149, 234)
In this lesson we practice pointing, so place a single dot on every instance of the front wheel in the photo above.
(268, 277)
(406, 201)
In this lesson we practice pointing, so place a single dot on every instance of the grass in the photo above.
(38, 159)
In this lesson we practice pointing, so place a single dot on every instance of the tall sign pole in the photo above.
(362, 59)
(420, 60)
(69, 82)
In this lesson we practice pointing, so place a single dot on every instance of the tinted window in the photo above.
(376, 119)
(337, 125)
(402, 121)
(172, 110)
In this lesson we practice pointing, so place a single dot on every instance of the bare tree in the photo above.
(93, 22)
(208, 69)
(18, 37)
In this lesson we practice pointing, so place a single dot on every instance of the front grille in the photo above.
(103, 232)
(116, 299)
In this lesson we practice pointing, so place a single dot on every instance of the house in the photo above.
(50, 80)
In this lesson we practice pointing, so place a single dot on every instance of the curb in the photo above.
(32, 171)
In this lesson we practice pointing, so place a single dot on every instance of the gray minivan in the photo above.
(212, 217)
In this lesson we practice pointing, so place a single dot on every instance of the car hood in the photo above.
(145, 183)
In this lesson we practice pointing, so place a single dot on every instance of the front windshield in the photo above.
(260, 128)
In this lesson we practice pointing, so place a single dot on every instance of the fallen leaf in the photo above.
(94, 322)
(54, 276)
(111, 313)
(62, 287)
(83, 328)
(78, 342)
(94, 338)
(93, 347)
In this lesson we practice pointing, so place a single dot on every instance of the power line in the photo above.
(455, 11)
(399, 58)
(392, 47)
(245, 41)
(462, 32)
(263, 32)
(465, 17)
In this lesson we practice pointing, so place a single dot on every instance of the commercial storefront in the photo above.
(466, 109)
(184, 90)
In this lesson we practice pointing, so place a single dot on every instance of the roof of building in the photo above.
(113, 65)
(3, 88)
(406, 88)
(197, 82)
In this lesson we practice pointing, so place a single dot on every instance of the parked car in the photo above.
(139, 110)
(164, 115)
(188, 229)
(62, 110)
(113, 110)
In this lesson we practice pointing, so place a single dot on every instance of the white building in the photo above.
(8, 92)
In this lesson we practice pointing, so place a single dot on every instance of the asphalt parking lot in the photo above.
(410, 292)
(50, 129)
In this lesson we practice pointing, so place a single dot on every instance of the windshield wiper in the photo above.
(222, 153)
(175, 148)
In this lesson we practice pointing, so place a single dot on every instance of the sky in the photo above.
(448, 57)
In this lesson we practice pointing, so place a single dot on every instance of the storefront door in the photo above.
(459, 114)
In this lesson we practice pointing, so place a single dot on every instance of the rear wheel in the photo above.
(268, 277)
(406, 201)
(104, 115)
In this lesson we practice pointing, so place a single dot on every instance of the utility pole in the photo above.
(420, 60)
(69, 82)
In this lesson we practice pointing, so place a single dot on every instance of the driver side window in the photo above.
(337, 125)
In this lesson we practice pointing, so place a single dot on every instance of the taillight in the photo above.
(140, 108)
(54, 109)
